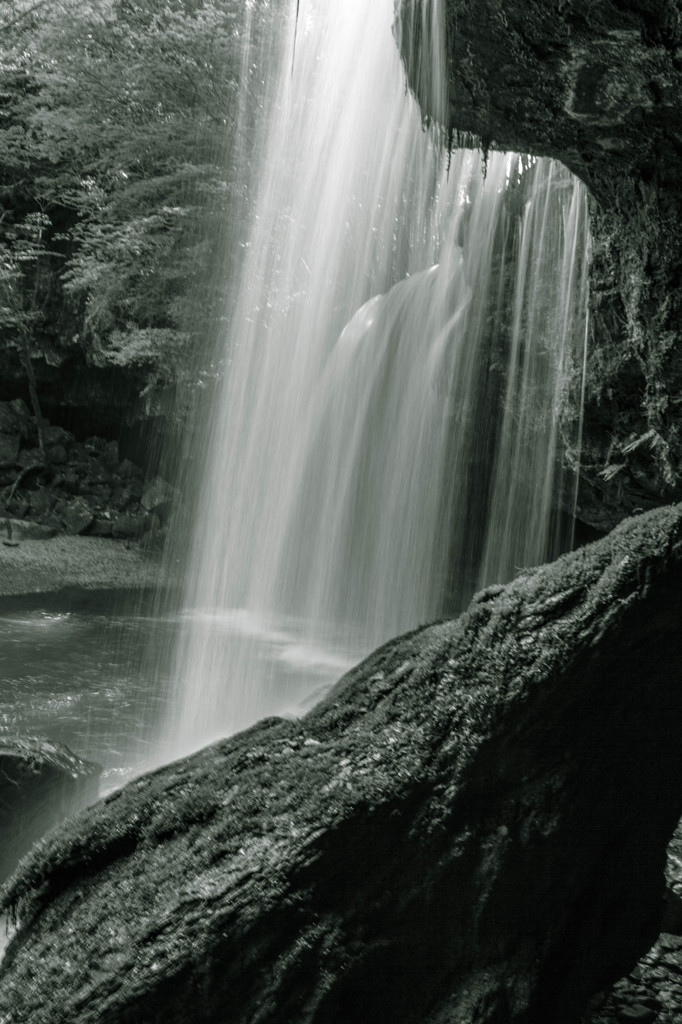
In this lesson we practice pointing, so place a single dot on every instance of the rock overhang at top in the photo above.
(596, 84)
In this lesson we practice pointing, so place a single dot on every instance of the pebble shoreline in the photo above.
(35, 567)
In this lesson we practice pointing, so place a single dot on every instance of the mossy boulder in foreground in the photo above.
(471, 827)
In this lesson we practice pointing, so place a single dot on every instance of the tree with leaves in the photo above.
(117, 124)
(22, 255)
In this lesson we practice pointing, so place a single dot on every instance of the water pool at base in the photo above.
(75, 675)
(95, 677)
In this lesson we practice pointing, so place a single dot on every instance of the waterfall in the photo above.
(405, 324)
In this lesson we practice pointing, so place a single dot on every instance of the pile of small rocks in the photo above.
(73, 487)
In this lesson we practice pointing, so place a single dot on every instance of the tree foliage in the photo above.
(117, 122)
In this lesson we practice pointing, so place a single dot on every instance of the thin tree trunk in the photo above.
(33, 391)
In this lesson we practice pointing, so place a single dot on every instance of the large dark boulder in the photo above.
(41, 783)
(470, 828)
(596, 84)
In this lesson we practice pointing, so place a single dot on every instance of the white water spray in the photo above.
(386, 435)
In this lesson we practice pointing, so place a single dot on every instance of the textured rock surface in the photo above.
(471, 828)
(598, 85)
(652, 991)
(41, 783)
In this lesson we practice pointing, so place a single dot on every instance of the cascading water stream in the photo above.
(386, 437)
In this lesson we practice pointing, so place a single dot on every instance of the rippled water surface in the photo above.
(95, 677)
(77, 676)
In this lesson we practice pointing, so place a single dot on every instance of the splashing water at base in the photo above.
(387, 435)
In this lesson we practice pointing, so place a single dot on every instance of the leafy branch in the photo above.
(21, 253)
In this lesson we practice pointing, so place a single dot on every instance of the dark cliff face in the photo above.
(596, 84)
